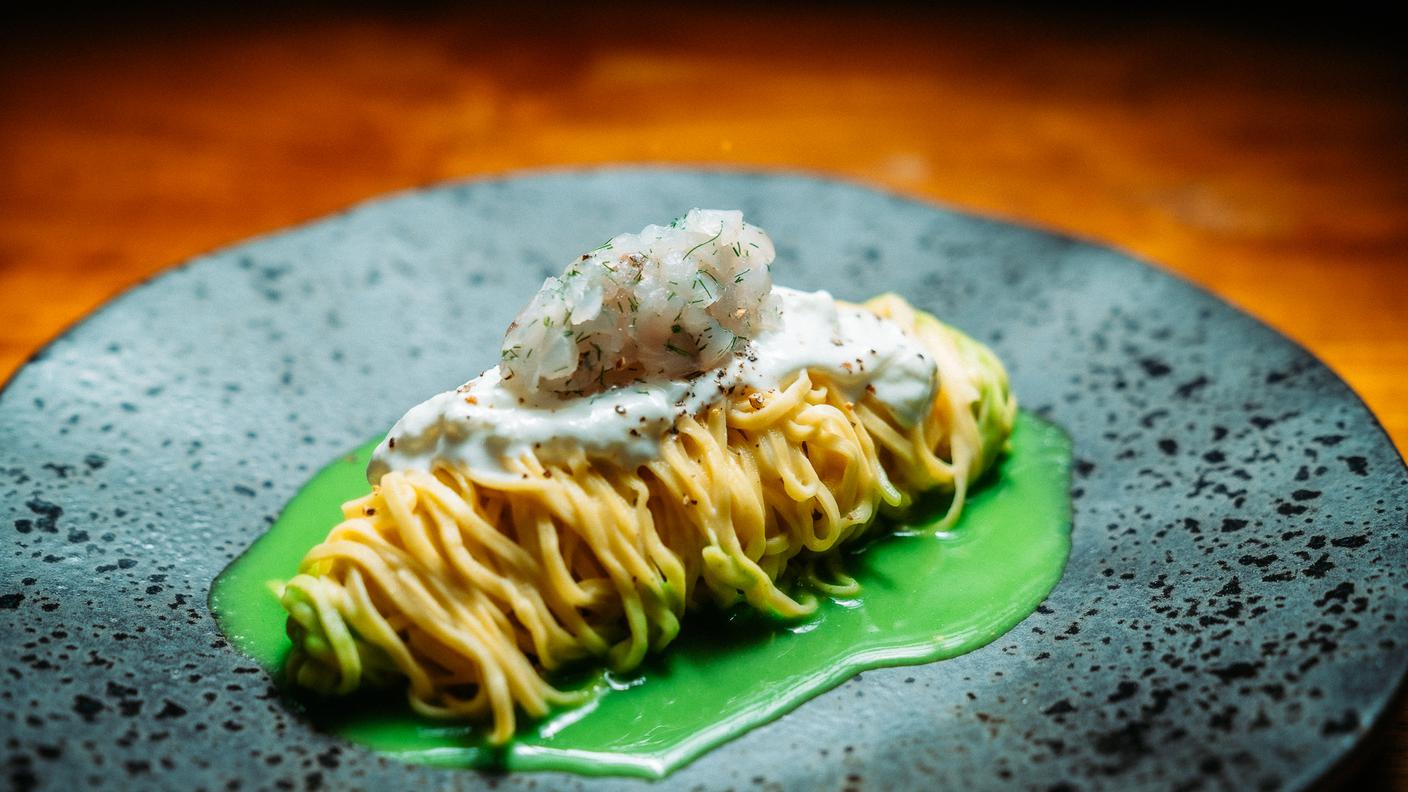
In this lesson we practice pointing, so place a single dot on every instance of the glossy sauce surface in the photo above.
(924, 598)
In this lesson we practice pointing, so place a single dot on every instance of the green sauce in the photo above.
(924, 598)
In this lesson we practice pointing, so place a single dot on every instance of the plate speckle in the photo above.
(1232, 615)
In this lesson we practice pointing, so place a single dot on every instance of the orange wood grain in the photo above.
(1271, 169)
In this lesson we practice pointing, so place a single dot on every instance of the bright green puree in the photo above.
(924, 598)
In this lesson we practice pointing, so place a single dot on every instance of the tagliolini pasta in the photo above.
(474, 593)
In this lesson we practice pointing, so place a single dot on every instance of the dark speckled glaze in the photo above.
(1233, 615)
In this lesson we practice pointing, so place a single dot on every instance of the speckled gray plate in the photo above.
(1232, 616)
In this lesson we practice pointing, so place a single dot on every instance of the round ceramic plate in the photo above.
(1231, 613)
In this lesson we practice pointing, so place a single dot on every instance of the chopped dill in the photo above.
(713, 238)
(700, 284)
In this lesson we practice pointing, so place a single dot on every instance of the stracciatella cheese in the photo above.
(686, 316)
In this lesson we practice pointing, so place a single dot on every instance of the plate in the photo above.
(1232, 613)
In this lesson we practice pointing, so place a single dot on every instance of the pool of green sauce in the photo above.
(924, 598)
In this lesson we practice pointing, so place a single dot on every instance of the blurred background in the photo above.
(1264, 156)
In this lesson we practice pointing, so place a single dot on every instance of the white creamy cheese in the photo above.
(482, 425)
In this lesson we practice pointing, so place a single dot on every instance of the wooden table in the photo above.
(1271, 168)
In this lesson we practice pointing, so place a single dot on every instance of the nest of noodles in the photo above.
(472, 594)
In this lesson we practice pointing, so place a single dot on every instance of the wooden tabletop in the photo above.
(1270, 167)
